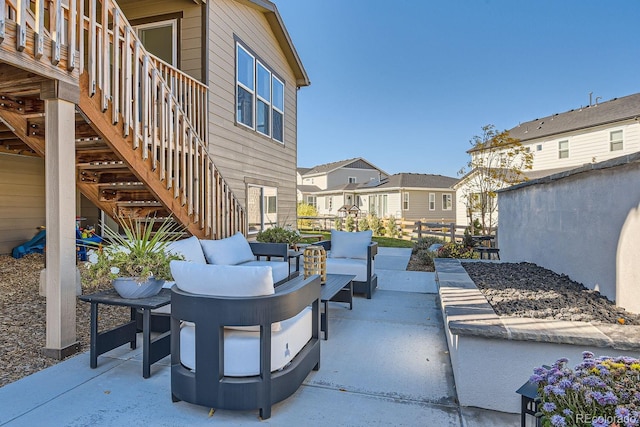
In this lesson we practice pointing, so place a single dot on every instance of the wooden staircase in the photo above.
(141, 125)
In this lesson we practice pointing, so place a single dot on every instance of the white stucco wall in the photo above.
(586, 226)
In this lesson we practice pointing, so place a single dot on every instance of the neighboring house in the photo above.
(564, 141)
(204, 131)
(334, 187)
(331, 186)
(411, 196)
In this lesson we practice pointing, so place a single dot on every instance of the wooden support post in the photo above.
(419, 228)
(452, 229)
(60, 222)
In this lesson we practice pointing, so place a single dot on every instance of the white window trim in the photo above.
(252, 92)
(621, 140)
(259, 98)
(352, 180)
(560, 150)
(405, 201)
(273, 107)
(432, 196)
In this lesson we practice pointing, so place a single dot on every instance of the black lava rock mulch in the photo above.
(527, 290)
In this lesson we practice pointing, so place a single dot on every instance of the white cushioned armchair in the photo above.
(236, 341)
(236, 250)
(353, 253)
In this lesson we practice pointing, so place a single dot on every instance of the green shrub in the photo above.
(424, 243)
(305, 209)
(350, 224)
(376, 225)
(392, 227)
(363, 224)
(278, 235)
(425, 257)
(456, 250)
(337, 224)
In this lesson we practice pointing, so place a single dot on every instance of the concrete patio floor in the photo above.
(386, 363)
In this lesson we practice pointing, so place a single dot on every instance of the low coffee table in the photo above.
(338, 288)
(152, 350)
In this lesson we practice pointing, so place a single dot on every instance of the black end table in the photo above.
(338, 288)
(152, 350)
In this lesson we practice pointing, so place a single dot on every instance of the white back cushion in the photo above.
(225, 281)
(345, 244)
(230, 251)
(222, 280)
(189, 248)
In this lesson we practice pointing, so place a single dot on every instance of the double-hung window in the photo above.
(615, 140)
(245, 86)
(432, 201)
(259, 96)
(446, 202)
(405, 201)
(263, 104)
(563, 149)
(278, 109)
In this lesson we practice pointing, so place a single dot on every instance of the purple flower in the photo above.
(535, 378)
(565, 383)
(622, 412)
(610, 398)
(558, 391)
(567, 411)
(558, 421)
(547, 390)
(549, 407)
(600, 422)
(587, 355)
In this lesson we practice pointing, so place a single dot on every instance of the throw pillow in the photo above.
(346, 244)
(189, 248)
(225, 281)
(230, 251)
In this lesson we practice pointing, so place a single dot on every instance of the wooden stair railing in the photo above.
(151, 115)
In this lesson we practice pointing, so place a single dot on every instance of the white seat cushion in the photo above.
(345, 244)
(225, 281)
(230, 251)
(189, 248)
(279, 269)
(242, 349)
(358, 267)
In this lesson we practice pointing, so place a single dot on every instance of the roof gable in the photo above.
(282, 35)
(356, 163)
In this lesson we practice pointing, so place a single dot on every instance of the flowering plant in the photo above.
(140, 253)
(600, 392)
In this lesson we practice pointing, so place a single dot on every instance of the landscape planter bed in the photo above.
(492, 356)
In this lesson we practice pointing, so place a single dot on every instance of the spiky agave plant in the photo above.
(140, 253)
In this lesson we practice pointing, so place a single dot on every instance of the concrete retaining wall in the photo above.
(584, 223)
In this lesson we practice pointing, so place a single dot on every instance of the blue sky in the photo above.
(407, 84)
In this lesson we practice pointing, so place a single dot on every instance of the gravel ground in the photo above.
(527, 290)
(23, 315)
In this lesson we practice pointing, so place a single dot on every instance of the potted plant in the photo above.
(278, 234)
(136, 263)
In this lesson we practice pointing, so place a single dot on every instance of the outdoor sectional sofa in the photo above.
(353, 253)
(238, 342)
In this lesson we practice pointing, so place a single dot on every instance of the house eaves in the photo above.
(616, 110)
(589, 167)
(282, 36)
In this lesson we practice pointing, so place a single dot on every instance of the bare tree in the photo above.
(497, 161)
